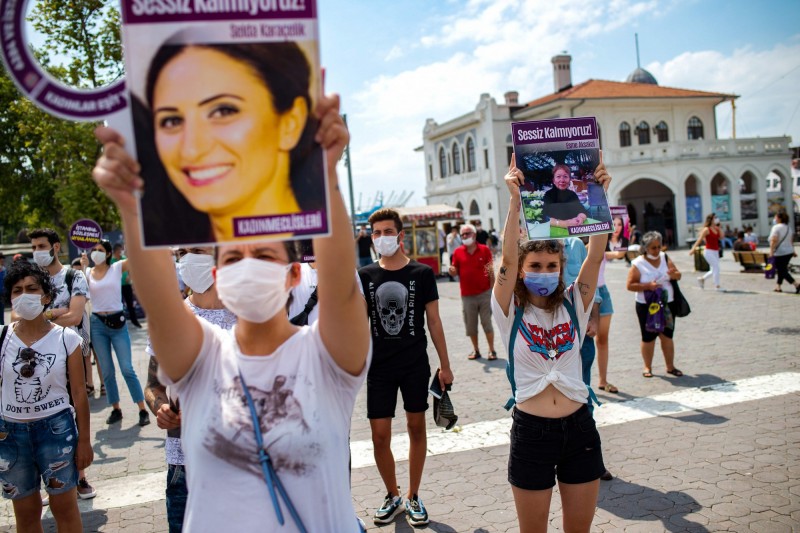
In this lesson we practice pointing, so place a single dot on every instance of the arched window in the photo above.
(442, 163)
(459, 206)
(662, 131)
(643, 132)
(473, 208)
(694, 129)
(470, 155)
(624, 135)
(456, 159)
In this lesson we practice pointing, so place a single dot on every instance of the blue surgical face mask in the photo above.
(541, 284)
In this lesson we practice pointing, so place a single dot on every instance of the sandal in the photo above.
(492, 356)
(474, 355)
(102, 390)
(608, 387)
(89, 390)
(675, 372)
(777, 290)
(647, 374)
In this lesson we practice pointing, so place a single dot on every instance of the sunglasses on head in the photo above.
(28, 355)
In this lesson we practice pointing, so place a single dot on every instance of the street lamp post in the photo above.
(350, 180)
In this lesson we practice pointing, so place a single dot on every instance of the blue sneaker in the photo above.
(417, 515)
(392, 506)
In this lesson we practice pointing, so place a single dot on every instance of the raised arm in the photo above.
(507, 275)
(175, 333)
(343, 323)
(586, 283)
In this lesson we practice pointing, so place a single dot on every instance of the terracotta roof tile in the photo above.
(601, 89)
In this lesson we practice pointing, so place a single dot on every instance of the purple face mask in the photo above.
(541, 284)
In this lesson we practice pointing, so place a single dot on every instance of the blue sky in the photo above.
(397, 63)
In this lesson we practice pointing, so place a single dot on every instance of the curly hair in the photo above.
(20, 270)
(521, 294)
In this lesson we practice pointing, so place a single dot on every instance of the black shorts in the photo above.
(543, 448)
(650, 336)
(382, 391)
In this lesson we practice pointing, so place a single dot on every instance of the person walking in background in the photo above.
(782, 249)
(401, 293)
(481, 235)
(473, 265)
(127, 287)
(711, 234)
(650, 271)
(365, 246)
(109, 329)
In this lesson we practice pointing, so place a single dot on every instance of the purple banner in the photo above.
(85, 233)
(155, 11)
(48, 94)
(310, 222)
(556, 130)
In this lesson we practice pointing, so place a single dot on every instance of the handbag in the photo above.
(655, 321)
(680, 304)
(113, 321)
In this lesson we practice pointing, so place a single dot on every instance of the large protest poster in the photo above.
(222, 94)
(561, 196)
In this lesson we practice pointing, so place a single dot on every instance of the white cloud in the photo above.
(395, 53)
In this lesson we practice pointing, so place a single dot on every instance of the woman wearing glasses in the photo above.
(38, 437)
(265, 409)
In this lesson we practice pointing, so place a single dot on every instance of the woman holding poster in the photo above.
(542, 323)
(232, 129)
(268, 403)
(561, 204)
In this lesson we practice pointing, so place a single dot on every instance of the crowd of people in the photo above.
(256, 363)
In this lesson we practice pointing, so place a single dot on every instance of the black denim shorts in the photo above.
(543, 448)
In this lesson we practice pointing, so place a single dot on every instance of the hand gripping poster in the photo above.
(222, 94)
(560, 197)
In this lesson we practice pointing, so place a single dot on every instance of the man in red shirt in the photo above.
(472, 263)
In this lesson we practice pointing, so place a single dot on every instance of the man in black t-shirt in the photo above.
(481, 235)
(400, 294)
(365, 247)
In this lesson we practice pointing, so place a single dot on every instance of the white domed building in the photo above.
(659, 143)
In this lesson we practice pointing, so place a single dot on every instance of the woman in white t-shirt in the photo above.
(782, 249)
(110, 329)
(298, 383)
(553, 432)
(39, 441)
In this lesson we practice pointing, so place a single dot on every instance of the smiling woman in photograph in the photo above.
(562, 204)
(231, 130)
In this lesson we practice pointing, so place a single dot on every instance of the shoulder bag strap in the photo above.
(518, 311)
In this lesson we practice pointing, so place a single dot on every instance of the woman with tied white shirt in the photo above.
(553, 433)
(650, 271)
(105, 291)
(265, 408)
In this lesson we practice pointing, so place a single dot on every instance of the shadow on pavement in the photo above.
(700, 417)
(92, 521)
(637, 502)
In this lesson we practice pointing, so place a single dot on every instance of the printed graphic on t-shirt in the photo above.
(549, 343)
(287, 436)
(391, 300)
(29, 389)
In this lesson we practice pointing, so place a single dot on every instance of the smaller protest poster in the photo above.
(305, 249)
(721, 206)
(560, 197)
(85, 234)
(222, 106)
(694, 210)
(620, 229)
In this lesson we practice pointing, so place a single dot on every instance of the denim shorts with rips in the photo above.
(39, 450)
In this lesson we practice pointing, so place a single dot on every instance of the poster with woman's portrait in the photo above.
(222, 97)
(561, 196)
(620, 229)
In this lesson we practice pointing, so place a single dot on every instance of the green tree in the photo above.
(46, 162)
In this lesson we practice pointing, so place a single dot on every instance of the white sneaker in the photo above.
(701, 282)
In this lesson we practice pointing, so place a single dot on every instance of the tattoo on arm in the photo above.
(155, 394)
(583, 288)
(501, 277)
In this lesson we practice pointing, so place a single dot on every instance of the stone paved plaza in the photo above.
(715, 450)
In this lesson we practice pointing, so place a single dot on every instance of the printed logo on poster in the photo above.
(46, 92)
(560, 196)
(222, 95)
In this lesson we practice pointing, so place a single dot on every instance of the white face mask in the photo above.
(98, 257)
(252, 289)
(386, 246)
(195, 271)
(653, 257)
(43, 258)
(28, 306)
(468, 240)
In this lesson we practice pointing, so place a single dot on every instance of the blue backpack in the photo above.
(518, 312)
